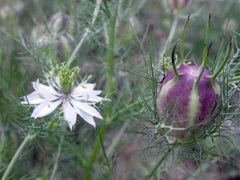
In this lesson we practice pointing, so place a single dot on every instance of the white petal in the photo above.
(45, 109)
(88, 93)
(85, 89)
(69, 114)
(94, 99)
(46, 92)
(88, 118)
(33, 98)
(86, 85)
(86, 108)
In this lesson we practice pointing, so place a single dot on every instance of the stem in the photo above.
(108, 89)
(110, 61)
(205, 54)
(229, 50)
(176, 74)
(159, 163)
(87, 31)
(170, 36)
(129, 108)
(103, 131)
(206, 39)
(203, 68)
(183, 37)
(236, 78)
(117, 138)
(57, 158)
(27, 139)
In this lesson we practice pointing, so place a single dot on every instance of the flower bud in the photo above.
(65, 46)
(38, 31)
(61, 23)
(179, 4)
(44, 41)
(185, 106)
(230, 25)
(6, 13)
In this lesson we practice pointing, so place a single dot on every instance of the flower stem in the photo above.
(176, 74)
(57, 158)
(103, 131)
(170, 36)
(159, 163)
(229, 50)
(205, 54)
(27, 139)
(183, 38)
(110, 62)
(108, 89)
(117, 138)
(87, 31)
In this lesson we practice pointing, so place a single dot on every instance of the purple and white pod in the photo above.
(179, 4)
(189, 95)
(65, 46)
(186, 105)
(61, 23)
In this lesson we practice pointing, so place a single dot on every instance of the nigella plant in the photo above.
(190, 107)
(189, 96)
(192, 92)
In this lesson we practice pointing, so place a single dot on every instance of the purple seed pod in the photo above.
(65, 46)
(188, 106)
(180, 4)
(61, 23)
(189, 95)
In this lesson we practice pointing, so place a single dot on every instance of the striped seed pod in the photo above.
(186, 104)
(189, 95)
(61, 23)
(179, 4)
(65, 46)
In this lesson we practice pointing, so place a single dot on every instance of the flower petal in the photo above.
(88, 86)
(45, 109)
(88, 118)
(85, 89)
(69, 114)
(86, 108)
(46, 92)
(33, 98)
(94, 99)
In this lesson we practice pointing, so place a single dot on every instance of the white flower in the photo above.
(78, 101)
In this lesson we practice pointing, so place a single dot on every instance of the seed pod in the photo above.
(61, 23)
(189, 95)
(65, 46)
(6, 13)
(185, 105)
(179, 4)
(230, 25)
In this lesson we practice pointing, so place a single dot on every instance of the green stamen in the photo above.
(67, 77)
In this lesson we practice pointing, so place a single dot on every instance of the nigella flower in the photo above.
(75, 101)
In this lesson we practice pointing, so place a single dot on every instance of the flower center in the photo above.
(67, 78)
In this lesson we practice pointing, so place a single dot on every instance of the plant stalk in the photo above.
(57, 158)
(87, 31)
(27, 139)
(158, 164)
(108, 90)
(170, 36)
